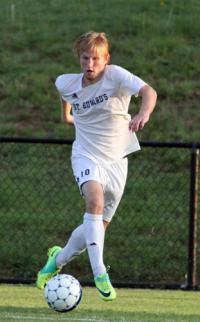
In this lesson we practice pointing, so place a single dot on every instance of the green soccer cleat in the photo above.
(50, 269)
(105, 288)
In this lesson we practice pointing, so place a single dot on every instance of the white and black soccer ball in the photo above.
(63, 293)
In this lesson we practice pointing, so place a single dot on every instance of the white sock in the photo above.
(74, 247)
(94, 235)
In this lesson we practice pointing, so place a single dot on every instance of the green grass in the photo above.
(26, 303)
(158, 40)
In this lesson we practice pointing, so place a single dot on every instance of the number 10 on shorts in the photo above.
(86, 172)
(83, 173)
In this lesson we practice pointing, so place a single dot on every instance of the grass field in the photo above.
(26, 303)
(157, 40)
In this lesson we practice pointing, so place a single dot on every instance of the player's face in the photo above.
(93, 64)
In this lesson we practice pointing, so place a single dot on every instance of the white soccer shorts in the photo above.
(112, 177)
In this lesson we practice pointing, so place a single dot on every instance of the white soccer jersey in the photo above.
(100, 113)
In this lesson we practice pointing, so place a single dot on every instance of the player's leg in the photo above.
(58, 257)
(77, 242)
(94, 234)
(93, 224)
(84, 169)
(90, 183)
(75, 246)
(117, 174)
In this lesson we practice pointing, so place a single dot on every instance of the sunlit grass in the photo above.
(157, 40)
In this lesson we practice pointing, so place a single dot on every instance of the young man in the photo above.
(105, 135)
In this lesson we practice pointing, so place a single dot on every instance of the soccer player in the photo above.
(99, 98)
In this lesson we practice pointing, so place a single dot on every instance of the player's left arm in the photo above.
(66, 115)
(149, 97)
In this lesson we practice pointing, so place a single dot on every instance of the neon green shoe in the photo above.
(50, 269)
(105, 288)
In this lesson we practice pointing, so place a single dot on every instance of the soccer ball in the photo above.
(63, 293)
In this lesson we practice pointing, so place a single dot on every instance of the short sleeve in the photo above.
(129, 83)
(60, 83)
(68, 84)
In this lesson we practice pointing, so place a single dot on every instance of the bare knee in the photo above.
(94, 205)
(94, 197)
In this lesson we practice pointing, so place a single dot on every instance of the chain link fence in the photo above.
(153, 239)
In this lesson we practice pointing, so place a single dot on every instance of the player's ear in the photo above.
(108, 58)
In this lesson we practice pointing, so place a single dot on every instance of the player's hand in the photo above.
(138, 121)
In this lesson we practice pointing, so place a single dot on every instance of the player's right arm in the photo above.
(66, 115)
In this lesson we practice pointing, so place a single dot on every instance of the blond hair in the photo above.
(91, 41)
